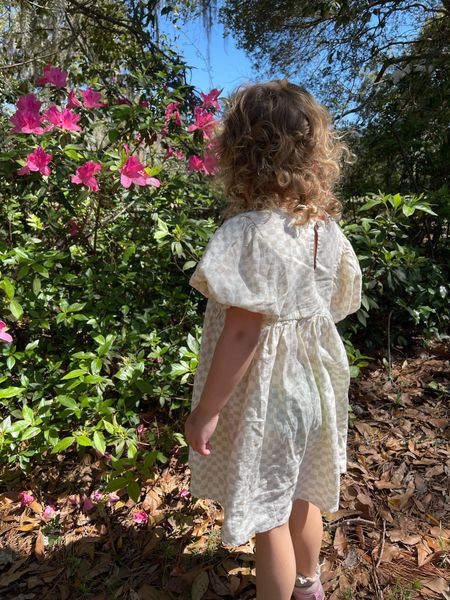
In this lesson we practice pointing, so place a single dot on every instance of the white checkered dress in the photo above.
(282, 435)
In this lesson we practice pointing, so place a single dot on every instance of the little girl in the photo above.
(268, 428)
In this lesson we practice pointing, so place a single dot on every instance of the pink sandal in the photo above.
(312, 592)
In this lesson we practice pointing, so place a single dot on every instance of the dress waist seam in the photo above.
(269, 320)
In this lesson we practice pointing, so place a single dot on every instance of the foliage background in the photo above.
(105, 326)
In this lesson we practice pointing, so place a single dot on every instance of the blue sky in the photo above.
(220, 63)
(228, 66)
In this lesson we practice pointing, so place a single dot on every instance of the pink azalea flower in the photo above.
(205, 165)
(29, 103)
(179, 154)
(87, 504)
(96, 495)
(25, 499)
(85, 175)
(53, 114)
(37, 161)
(54, 76)
(133, 172)
(69, 120)
(27, 118)
(26, 122)
(113, 498)
(169, 152)
(5, 337)
(73, 101)
(65, 119)
(204, 121)
(210, 99)
(141, 517)
(91, 99)
(164, 132)
(210, 159)
(183, 493)
(49, 512)
(171, 110)
(144, 103)
(195, 163)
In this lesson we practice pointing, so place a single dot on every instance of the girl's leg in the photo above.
(306, 528)
(275, 564)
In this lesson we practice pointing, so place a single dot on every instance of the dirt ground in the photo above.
(390, 539)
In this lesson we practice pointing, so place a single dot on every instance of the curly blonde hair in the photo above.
(276, 147)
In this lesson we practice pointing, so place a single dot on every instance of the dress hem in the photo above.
(277, 523)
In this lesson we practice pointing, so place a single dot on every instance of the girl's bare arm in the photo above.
(232, 357)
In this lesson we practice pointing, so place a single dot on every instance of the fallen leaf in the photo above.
(158, 534)
(200, 586)
(437, 584)
(218, 584)
(39, 546)
(340, 541)
(397, 535)
(423, 551)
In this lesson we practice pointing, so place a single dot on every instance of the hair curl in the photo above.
(276, 147)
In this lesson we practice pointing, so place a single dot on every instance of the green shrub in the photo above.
(405, 277)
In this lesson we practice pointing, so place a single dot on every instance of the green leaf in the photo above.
(425, 208)
(83, 440)
(10, 392)
(27, 413)
(117, 483)
(396, 200)
(16, 309)
(71, 153)
(192, 343)
(113, 135)
(67, 401)
(17, 426)
(94, 379)
(36, 286)
(96, 366)
(408, 210)
(40, 269)
(75, 373)
(371, 203)
(108, 426)
(9, 288)
(131, 249)
(10, 362)
(63, 444)
(99, 442)
(132, 451)
(134, 490)
(354, 372)
(32, 345)
(189, 265)
(30, 432)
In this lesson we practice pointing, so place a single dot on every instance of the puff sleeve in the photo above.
(347, 283)
(238, 268)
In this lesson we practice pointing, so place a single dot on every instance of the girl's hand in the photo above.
(198, 429)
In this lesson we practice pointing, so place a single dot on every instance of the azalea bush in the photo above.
(105, 210)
